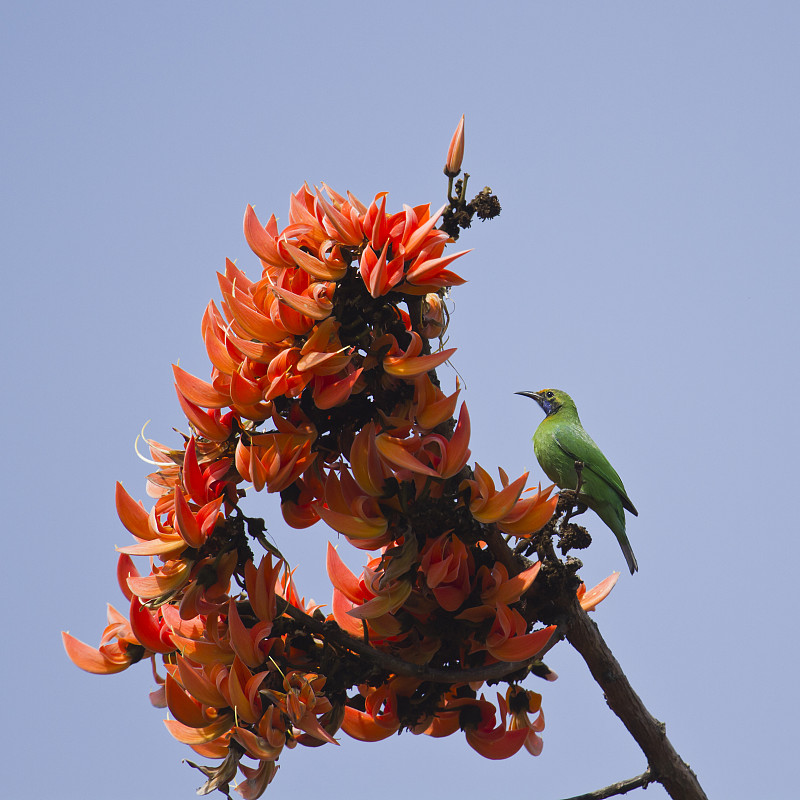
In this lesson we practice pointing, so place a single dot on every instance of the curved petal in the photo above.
(90, 659)
(363, 727)
(522, 648)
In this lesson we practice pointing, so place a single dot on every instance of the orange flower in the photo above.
(198, 391)
(488, 738)
(163, 582)
(431, 406)
(256, 746)
(118, 649)
(196, 527)
(249, 320)
(486, 504)
(378, 464)
(201, 682)
(444, 458)
(203, 482)
(447, 566)
(264, 240)
(299, 511)
(341, 217)
(434, 316)
(364, 727)
(589, 600)
(200, 640)
(222, 352)
(427, 270)
(507, 640)
(375, 223)
(195, 736)
(261, 587)
(282, 377)
(379, 720)
(347, 510)
(185, 708)
(334, 390)
(369, 470)
(313, 303)
(210, 583)
(275, 460)
(530, 514)
(497, 587)
(303, 701)
(242, 689)
(322, 353)
(150, 629)
(256, 779)
(409, 363)
(211, 424)
(520, 703)
(379, 273)
(370, 598)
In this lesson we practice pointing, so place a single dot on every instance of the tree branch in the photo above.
(492, 672)
(666, 765)
(621, 787)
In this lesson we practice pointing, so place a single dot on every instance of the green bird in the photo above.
(559, 442)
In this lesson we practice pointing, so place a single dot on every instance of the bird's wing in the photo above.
(579, 446)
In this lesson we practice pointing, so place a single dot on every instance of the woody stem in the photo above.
(667, 766)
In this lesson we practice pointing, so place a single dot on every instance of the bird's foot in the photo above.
(579, 471)
(574, 510)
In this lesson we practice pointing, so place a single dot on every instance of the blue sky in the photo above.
(645, 155)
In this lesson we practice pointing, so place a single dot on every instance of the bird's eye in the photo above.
(548, 395)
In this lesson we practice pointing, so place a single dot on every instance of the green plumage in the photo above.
(559, 442)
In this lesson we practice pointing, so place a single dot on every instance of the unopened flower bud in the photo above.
(455, 152)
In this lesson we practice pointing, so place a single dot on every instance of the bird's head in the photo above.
(551, 400)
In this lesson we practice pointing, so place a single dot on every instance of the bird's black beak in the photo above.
(534, 396)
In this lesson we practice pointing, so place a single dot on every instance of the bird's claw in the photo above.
(577, 503)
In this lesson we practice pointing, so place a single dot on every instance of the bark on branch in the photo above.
(621, 787)
(493, 672)
(666, 765)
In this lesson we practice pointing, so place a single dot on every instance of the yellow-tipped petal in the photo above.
(183, 733)
(352, 527)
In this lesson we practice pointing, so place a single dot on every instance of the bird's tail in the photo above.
(617, 525)
(627, 551)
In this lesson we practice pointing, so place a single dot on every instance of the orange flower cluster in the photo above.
(323, 389)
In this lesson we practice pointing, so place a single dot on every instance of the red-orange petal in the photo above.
(497, 749)
(417, 365)
(90, 659)
(598, 593)
(132, 514)
(393, 451)
(198, 391)
(341, 577)
(522, 648)
(363, 727)
(350, 526)
(182, 706)
(183, 733)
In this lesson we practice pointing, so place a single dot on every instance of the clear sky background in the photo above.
(646, 158)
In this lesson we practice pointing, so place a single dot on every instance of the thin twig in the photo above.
(621, 787)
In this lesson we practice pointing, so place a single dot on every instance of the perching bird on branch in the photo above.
(571, 459)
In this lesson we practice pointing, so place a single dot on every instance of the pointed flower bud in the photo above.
(455, 153)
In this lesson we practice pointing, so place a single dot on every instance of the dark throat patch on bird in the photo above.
(551, 401)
